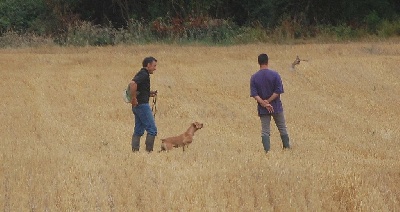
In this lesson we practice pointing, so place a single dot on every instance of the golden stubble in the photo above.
(66, 131)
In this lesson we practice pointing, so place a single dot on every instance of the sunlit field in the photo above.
(66, 131)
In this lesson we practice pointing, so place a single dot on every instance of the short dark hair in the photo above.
(148, 60)
(262, 59)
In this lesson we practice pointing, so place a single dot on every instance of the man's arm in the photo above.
(264, 103)
(133, 89)
(272, 97)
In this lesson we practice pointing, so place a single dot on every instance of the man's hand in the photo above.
(133, 89)
(266, 104)
(134, 102)
(153, 93)
(270, 108)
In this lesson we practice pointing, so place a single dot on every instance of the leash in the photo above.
(154, 106)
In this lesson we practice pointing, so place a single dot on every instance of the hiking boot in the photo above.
(150, 142)
(135, 143)
(266, 142)
(285, 141)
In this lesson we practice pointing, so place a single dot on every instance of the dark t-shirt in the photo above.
(142, 79)
(264, 83)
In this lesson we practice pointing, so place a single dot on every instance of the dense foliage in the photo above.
(196, 19)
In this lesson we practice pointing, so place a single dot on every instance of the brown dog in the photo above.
(181, 140)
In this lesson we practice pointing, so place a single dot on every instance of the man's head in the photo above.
(263, 59)
(150, 63)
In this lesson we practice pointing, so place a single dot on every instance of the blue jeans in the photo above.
(144, 120)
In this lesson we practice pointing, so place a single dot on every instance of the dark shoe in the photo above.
(135, 143)
(266, 142)
(150, 142)
(285, 141)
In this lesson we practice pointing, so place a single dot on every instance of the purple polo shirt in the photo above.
(264, 83)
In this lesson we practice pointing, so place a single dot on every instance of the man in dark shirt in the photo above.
(140, 95)
(266, 87)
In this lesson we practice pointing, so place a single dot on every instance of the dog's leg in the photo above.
(168, 146)
(187, 141)
(184, 143)
(162, 148)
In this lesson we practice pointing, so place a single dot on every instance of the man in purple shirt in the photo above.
(266, 87)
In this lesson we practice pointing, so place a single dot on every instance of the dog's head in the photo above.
(197, 125)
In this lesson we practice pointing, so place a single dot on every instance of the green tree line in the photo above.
(53, 17)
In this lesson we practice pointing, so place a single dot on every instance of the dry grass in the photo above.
(66, 131)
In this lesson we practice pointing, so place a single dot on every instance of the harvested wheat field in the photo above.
(66, 131)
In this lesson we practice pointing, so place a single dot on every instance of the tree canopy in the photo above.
(47, 16)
